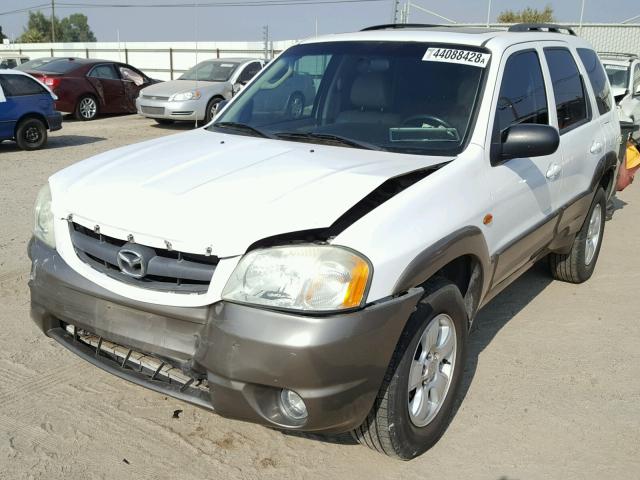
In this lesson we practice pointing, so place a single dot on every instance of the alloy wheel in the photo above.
(431, 370)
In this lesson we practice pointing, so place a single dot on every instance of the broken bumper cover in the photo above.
(242, 356)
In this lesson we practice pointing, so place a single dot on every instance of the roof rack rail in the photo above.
(541, 27)
(618, 54)
(401, 25)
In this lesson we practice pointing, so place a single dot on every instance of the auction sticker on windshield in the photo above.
(453, 55)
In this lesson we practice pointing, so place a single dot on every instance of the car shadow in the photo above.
(496, 314)
(614, 205)
(55, 141)
(178, 125)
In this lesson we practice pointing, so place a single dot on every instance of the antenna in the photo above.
(195, 11)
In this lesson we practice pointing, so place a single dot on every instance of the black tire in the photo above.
(389, 428)
(86, 108)
(573, 267)
(295, 105)
(164, 121)
(212, 107)
(31, 134)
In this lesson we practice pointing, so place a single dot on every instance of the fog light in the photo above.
(292, 405)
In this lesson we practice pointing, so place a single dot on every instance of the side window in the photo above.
(522, 96)
(20, 85)
(636, 79)
(130, 74)
(104, 71)
(249, 72)
(597, 77)
(568, 90)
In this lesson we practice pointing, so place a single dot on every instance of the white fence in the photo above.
(167, 60)
(162, 60)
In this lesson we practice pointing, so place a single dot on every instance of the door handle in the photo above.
(553, 171)
(596, 147)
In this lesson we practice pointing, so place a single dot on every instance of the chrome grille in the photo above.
(166, 270)
(152, 110)
(155, 97)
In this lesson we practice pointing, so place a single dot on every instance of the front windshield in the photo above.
(385, 95)
(210, 71)
(618, 75)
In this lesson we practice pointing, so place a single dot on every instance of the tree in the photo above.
(2, 35)
(74, 28)
(528, 15)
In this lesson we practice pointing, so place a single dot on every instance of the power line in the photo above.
(229, 3)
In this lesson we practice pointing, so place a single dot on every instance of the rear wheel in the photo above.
(417, 396)
(578, 265)
(31, 134)
(87, 108)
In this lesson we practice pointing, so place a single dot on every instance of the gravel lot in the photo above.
(552, 387)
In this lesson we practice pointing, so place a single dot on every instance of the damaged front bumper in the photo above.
(229, 358)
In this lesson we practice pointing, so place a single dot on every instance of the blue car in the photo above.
(27, 110)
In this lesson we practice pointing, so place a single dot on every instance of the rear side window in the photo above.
(522, 96)
(598, 79)
(568, 90)
(104, 71)
(19, 85)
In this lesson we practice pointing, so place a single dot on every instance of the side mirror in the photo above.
(237, 87)
(524, 141)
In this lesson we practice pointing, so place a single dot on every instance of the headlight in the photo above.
(181, 97)
(305, 277)
(43, 228)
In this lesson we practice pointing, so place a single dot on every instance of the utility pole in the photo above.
(581, 16)
(53, 25)
(489, 14)
(396, 10)
(265, 37)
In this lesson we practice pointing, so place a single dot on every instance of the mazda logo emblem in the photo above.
(131, 263)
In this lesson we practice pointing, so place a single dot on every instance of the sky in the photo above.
(288, 22)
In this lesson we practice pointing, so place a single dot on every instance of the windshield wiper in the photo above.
(329, 137)
(242, 127)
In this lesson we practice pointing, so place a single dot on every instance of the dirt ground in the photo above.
(552, 386)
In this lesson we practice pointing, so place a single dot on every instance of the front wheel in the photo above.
(31, 134)
(417, 396)
(578, 265)
(212, 109)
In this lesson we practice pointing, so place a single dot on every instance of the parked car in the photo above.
(197, 93)
(26, 110)
(12, 60)
(321, 272)
(623, 70)
(90, 87)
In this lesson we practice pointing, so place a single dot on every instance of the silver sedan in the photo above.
(196, 94)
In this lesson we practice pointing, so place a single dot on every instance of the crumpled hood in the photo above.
(202, 189)
(166, 89)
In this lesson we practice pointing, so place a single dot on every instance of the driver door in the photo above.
(524, 191)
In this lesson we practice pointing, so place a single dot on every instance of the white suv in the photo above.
(319, 270)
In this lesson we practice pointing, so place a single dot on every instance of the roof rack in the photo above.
(401, 25)
(541, 27)
(618, 54)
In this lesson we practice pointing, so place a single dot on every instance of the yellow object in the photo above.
(633, 156)
(357, 286)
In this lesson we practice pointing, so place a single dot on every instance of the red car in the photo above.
(88, 87)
